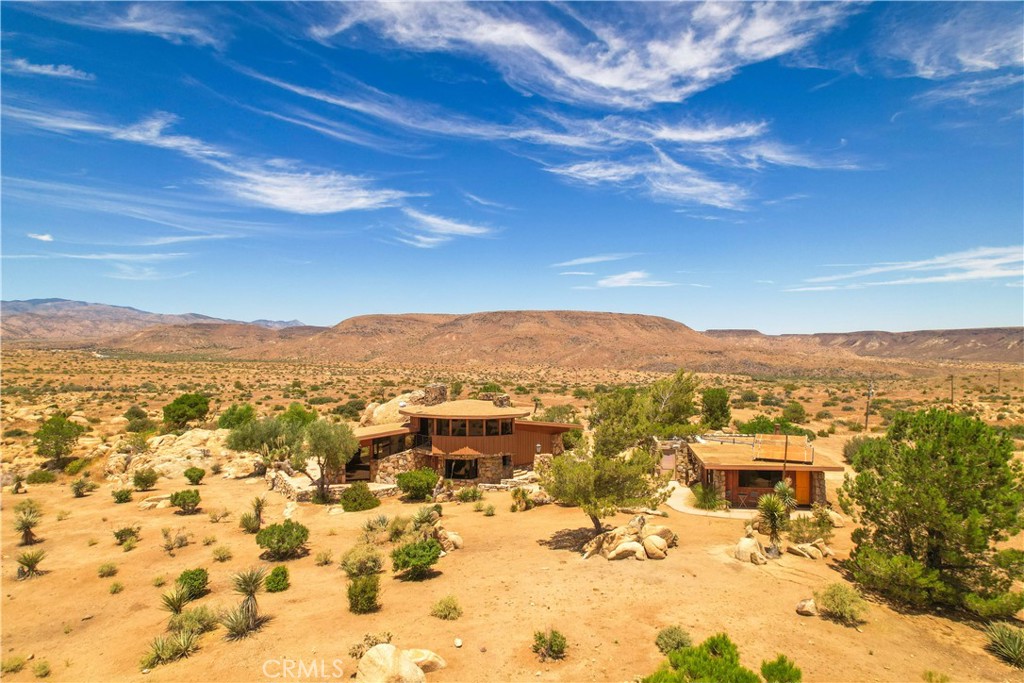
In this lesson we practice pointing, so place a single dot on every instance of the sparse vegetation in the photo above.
(145, 479)
(357, 651)
(222, 554)
(447, 608)
(841, 603)
(324, 558)
(80, 487)
(672, 638)
(29, 561)
(127, 533)
(550, 644)
(107, 570)
(170, 648)
(362, 560)
(707, 498)
(122, 496)
(175, 599)
(1006, 642)
(27, 515)
(199, 619)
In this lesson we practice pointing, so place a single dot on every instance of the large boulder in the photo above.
(749, 549)
(822, 548)
(804, 550)
(628, 549)
(655, 547)
(807, 608)
(425, 659)
(664, 532)
(385, 663)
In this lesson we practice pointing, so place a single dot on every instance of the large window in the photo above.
(458, 427)
(506, 427)
(492, 428)
(460, 469)
(760, 479)
(443, 427)
(476, 427)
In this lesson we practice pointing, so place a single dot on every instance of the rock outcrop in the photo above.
(749, 549)
(385, 663)
(636, 539)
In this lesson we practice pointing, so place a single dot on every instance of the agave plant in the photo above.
(1006, 642)
(772, 518)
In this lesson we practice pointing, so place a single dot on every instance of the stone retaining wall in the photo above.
(818, 492)
(384, 470)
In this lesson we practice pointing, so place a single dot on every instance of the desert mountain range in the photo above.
(520, 338)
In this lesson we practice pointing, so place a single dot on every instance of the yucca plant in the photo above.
(1006, 642)
(24, 523)
(258, 505)
(247, 584)
(169, 648)
(175, 599)
(236, 623)
(707, 498)
(772, 518)
(29, 563)
(787, 494)
(249, 523)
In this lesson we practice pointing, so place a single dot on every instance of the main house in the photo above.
(470, 441)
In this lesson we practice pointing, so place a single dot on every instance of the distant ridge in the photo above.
(61, 320)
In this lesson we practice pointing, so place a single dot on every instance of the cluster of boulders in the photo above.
(749, 549)
(387, 412)
(385, 663)
(170, 455)
(815, 550)
(638, 540)
(449, 540)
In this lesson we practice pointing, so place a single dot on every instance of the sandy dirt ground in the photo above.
(517, 573)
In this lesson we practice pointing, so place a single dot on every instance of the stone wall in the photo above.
(718, 481)
(818, 491)
(384, 470)
(298, 488)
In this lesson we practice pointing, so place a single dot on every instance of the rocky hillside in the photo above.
(992, 344)
(63, 320)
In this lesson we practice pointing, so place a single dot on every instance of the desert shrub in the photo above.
(520, 500)
(707, 498)
(194, 475)
(998, 606)
(198, 620)
(900, 577)
(129, 545)
(174, 540)
(175, 599)
(222, 554)
(28, 563)
(1006, 642)
(716, 659)
(126, 533)
(363, 594)
(145, 479)
(166, 649)
(116, 587)
(469, 494)
(187, 500)
(672, 638)
(76, 466)
(41, 477)
(805, 529)
(236, 623)
(550, 644)
(283, 541)
(397, 527)
(209, 540)
(82, 486)
(841, 603)
(122, 496)
(417, 484)
(369, 640)
(218, 515)
(107, 570)
(140, 425)
(447, 608)
(249, 523)
(781, 670)
(415, 559)
(324, 558)
(358, 497)
(159, 581)
(489, 511)
(194, 581)
(41, 669)
(362, 560)
(236, 415)
(184, 409)
(12, 664)
(478, 506)
(277, 580)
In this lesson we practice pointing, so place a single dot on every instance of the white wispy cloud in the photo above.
(42, 237)
(174, 22)
(972, 91)
(981, 263)
(956, 39)
(431, 230)
(633, 278)
(275, 184)
(24, 67)
(634, 55)
(489, 203)
(576, 272)
(127, 271)
(597, 258)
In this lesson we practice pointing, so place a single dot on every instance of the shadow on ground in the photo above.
(569, 539)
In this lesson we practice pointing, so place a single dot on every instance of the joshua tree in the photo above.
(772, 517)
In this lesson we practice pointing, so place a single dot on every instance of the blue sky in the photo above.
(790, 168)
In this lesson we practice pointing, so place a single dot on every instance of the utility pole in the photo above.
(867, 408)
(951, 389)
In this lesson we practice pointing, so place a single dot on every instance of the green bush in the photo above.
(489, 511)
(447, 608)
(12, 664)
(82, 486)
(194, 475)
(1006, 642)
(363, 594)
(194, 582)
(140, 425)
(145, 479)
(805, 529)
(107, 570)
(41, 477)
(362, 560)
(184, 409)
(76, 466)
(716, 659)
(707, 498)
(41, 669)
(417, 484)
(187, 500)
(122, 496)
(550, 644)
(415, 559)
(277, 580)
(469, 494)
(781, 670)
(236, 416)
(127, 533)
(283, 541)
(841, 603)
(899, 577)
(672, 638)
(998, 606)
(116, 587)
(358, 497)
(198, 620)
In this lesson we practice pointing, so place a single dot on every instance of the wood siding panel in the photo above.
(522, 446)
